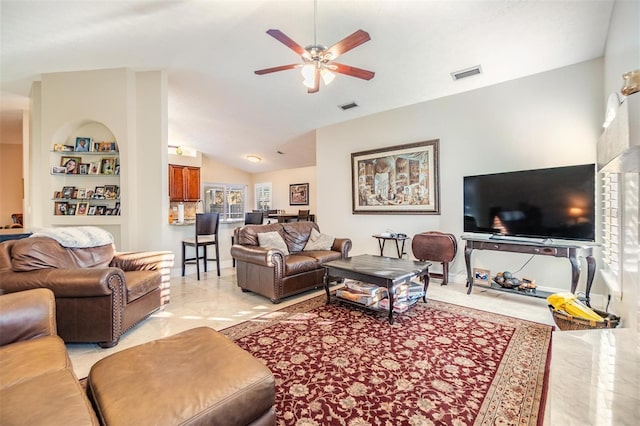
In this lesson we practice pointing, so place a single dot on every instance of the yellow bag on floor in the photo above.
(569, 303)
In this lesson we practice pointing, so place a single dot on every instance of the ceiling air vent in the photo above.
(458, 75)
(348, 106)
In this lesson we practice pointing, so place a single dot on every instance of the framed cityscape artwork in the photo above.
(401, 179)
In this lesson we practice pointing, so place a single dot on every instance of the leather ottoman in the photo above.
(196, 377)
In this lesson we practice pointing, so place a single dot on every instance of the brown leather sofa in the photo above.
(159, 382)
(100, 294)
(271, 273)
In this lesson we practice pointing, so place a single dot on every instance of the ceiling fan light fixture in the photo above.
(327, 76)
(308, 73)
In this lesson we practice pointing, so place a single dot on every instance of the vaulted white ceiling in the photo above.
(210, 50)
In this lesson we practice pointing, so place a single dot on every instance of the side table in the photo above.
(400, 241)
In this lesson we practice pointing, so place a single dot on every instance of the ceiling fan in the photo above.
(317, 60)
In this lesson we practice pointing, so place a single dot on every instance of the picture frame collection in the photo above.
(86, 144)
(84, 208)
(74, 165)
(85, 198)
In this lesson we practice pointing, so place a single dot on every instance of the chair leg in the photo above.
(445, 273)
(197, 262)
(183, 257)
(205, 259)
(217, 259)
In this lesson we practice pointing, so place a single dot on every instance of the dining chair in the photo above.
(250, 218)
(253, 218)
(303, 215)
(206, 234)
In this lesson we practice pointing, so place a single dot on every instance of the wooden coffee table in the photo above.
(382, 271)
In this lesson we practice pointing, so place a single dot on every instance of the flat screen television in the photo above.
(548, 203)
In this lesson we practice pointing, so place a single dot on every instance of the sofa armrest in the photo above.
(258, 255)
(77, 282)
(161, 261)
(26, 315)
(343, 245)
(143, 260)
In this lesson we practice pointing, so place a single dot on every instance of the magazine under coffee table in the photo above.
(382, 271)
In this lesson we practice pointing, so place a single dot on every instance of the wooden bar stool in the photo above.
(206, 234)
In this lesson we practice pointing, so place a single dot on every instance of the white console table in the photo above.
(566, 250)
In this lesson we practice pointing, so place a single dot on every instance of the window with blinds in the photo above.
(263, 196)
(228, 200)
(611, 235)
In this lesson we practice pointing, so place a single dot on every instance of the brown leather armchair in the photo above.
(99, 294)
(37, 382)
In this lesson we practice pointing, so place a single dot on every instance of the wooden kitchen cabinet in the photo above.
(184, 183)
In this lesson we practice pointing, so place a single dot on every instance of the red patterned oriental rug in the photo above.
(439, 364)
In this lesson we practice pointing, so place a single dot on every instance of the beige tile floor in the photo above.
(595, 375)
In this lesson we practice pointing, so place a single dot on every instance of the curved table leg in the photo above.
(325, 281)
(591, 271)
(467, 261)
(575, 272)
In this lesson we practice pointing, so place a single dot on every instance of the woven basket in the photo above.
(564, 321)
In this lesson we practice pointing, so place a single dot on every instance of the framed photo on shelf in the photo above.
(71, 209)
(116, 209)
(60, 208)
(71, 164)
(83, 145)
(67, 191)
(108, 166)
(107, 147)
(91, 211)
(100, 210)
(481, 276)
(402, 179)
(299, 194)
(83, 169)
(98, 192)
(58, 170)
(94, 168)
(82, 193)
(83, 209)
(110, 192)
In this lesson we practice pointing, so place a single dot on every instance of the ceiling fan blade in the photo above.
(276, 69)
(316, 82)
(351, 71)
(348, 43)
(284, 39)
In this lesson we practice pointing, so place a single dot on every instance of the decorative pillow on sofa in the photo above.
(318, 241)
(272, 240)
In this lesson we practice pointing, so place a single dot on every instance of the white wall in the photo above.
(280, 181)
(11, 193)
(132, 106)
(545, 120)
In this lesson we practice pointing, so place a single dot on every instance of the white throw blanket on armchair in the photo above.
(77, 236)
